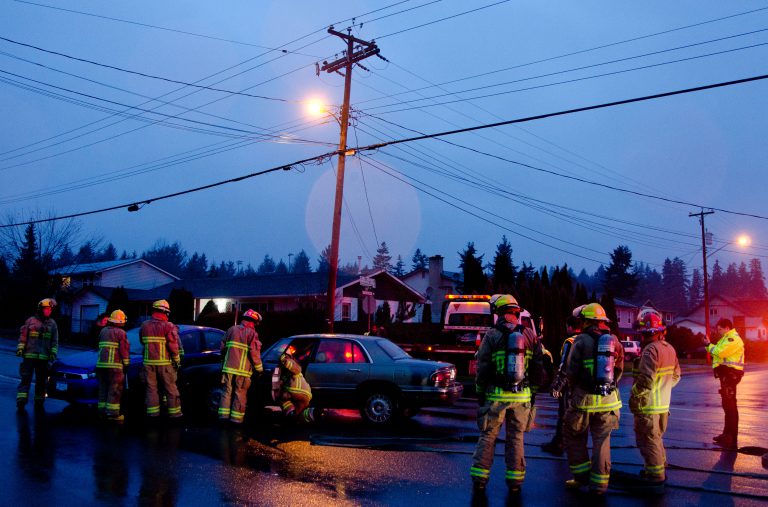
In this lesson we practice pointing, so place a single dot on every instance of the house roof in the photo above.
(388, 287)
(100, 267)
(454, 276)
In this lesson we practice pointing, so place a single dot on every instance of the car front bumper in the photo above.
(433, 396)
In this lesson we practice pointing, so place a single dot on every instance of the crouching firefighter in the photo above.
(509, 363)
(38, 346)
(294, 392)
(655, 373)
(114, 358)
(593, 370)
(241, 353)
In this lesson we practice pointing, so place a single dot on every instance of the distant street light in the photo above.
(744, 241)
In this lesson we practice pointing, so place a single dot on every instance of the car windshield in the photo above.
(393, 350)
(272, 355)
(133, 341)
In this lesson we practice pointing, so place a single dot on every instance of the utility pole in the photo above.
(351, 56)
(704, 259)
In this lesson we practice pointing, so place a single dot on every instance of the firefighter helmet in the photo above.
(649, 321)
(161, 305)
(500, 303)
(594, 311)
(47, 303)
(117, 317)
(252, 315)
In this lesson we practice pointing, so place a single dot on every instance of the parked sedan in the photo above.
(73, 378)
(368, 373)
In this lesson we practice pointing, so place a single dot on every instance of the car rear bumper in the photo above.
(433, 397)
(82, 392)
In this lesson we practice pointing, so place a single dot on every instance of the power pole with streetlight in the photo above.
(352, 55)
(704, 267)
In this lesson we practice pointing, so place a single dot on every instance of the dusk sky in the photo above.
(63, 148)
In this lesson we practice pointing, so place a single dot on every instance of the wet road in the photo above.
(65, 457)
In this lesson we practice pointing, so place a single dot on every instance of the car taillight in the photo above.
(444, 376)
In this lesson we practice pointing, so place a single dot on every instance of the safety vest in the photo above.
(496, 340)
(114, 351)
(240, 347)
(729, 351)
(581, 370)
(655, 373)
(161, 342)
(40, 338)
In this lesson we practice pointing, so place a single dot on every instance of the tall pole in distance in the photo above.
(346, 62)
(704, 268)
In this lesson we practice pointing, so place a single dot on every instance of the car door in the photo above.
(191, 341)
(336, 369)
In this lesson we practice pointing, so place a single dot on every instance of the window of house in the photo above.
(713, 311)
(346, 311)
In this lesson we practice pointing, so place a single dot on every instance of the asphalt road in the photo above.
(65, 457)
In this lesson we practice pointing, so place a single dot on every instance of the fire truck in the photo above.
(465, 320)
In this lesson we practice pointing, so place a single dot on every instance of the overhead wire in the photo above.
(365, 190)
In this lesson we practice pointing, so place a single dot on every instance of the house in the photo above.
(90, 301)
(433, 283)
(749, 317)
(626, 313)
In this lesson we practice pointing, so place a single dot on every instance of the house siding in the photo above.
(134, 276)
(88, 299)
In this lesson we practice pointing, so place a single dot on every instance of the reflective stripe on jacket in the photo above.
(580, 370)
(241, 350)
(491, 362)
(729, 351)
(655, 373)
(114, 351)
(291, 379)
(161, 342)
(40, 338)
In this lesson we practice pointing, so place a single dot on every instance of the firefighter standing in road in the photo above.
(728, 365)
(656, 371)
(509, 362)
(560, 384)
(161, 360)
(295, 393)
(593, 369)
(38, 346)
(240, 350)
(114, 358)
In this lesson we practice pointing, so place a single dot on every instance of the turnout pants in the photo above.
(562, 405)
(489, 420)
(29, 367)
(234, 397)
(111, 383)
(161, 377)
(577, 427)
(296, 405)
(649, 433)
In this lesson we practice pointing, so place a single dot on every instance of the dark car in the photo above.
(368, 373)
(73, 378)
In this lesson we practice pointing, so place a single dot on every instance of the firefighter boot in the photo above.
(21, 405)
(554, 447)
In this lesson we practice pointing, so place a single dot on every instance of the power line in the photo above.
(441, 19)
(578, 110)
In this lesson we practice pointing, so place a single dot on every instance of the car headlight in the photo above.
(91, 375)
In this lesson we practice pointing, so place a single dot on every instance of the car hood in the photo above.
(424, 363)
(85, 360)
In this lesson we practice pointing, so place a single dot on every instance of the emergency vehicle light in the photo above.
(471, 297)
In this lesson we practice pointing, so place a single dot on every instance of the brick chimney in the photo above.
(435, 271)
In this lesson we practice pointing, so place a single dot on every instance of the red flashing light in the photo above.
(471, 297)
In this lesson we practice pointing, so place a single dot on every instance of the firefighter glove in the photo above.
(20, 349)
(175, 363)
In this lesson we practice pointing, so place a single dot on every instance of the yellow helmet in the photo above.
(500, 303)
(594, 311)
(47, 303)
(161, 305)
(117, 317)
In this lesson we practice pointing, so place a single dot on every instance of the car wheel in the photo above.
(213, 400)
(379, 408)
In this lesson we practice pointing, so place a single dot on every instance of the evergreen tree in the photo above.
(674, 285)
(742, 276)
(323, 262)
(383, 315)
(731, 280)
(382, 260)
(756, 286)
(66, 257)
(227, 269)
(419, 260)
(717, 280)
(249, 271)
(196, 267)
(619, 280)
(108, 254)
(696, 289)
(472, 266)
(502, 269)
(124, 256)
(399, 268)
(85, 254)
(267, 265)
(118, 300)
(352, 269)
(301, 264)
(28, 265)
(281, 268)
(171, 258)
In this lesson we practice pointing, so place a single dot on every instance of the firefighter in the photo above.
(593, 370)
(241, 357)
(162, 359)
(656, 371)
(728, 366)
(560, 385)
(38, 346)
(509, 363)
(114, 358)
(294, 393)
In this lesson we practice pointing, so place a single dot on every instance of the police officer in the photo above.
(656, 371)
(593, 370)
(38, 346)
(114, 357)
(241, 357)
(728, 366)
(509, 362)
(160, 339)
(560, 384)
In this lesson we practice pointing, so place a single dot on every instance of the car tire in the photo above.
(213, 400)
(379, 408)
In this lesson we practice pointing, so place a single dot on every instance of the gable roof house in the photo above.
(433, 283)
(626, 313)
(749, 317)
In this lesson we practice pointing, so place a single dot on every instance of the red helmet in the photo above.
(649, 321)
(252, 315)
